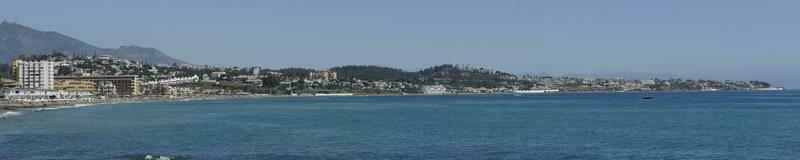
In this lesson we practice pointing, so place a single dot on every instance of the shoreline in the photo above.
(20, 105)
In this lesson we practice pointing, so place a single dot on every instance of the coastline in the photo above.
(19, 105)
(6, 105)
(248, 116)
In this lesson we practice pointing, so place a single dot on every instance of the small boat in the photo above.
(647, 97)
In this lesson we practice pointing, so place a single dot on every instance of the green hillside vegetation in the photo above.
(374, 73)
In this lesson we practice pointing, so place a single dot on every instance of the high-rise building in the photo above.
(34, 74)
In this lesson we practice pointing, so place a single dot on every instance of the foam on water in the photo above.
(9, 114)
(153, 157)
(83, 105)
(187, 100)
(64, 107)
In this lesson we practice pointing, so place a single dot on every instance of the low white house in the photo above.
(24, 94)
(176, 80)
(434, 89)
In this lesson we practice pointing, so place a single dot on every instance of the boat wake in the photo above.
(10, 114)
(63, 107)
(82, 105)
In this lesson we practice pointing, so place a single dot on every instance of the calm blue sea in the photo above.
(673, 125)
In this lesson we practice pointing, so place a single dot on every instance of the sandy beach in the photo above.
(8, 105)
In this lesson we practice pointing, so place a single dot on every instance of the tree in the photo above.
(5, 69)
(63, 71)
(270, 82)
(373, 73)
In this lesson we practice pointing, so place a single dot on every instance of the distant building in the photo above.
(217, 75)
(434, 89)
(322, 75)
(104, 57)
(175, 73)
(34, 74)
(648, 82)
(106, 88)
(23, 94)
(175, 80)
(153, 70)
(124, 85)
(75, 85)
(186, 65)
(207, 78)
(9, 83)
(252, 79)
(256, 71)
(274, 73)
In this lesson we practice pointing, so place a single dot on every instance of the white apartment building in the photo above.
(34, 74)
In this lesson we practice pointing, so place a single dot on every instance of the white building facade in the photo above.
(35, 74)
(176, 80)
(434, 89)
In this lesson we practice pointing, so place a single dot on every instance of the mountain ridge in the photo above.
(17, 39)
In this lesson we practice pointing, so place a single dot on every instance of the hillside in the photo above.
(373, 73)
(16, 39)
(465, 76)
(455, 75)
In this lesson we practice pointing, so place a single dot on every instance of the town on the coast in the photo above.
(40, 68)
(60, 78)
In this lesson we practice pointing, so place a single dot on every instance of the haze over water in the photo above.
(674, 125)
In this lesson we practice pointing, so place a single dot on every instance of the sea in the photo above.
(608, 125)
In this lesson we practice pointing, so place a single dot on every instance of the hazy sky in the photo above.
(718, 39)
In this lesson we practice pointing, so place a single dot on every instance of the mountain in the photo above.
(16, 39)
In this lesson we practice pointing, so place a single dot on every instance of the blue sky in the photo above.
(716, 39)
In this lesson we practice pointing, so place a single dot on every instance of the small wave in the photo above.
(63, 107)
(149, 157)
(83, 105)
(153, 157)
(9, 114)
(186, 100)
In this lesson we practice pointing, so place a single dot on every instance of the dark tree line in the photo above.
(374, 73)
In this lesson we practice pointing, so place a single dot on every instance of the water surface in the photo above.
(674, 125)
